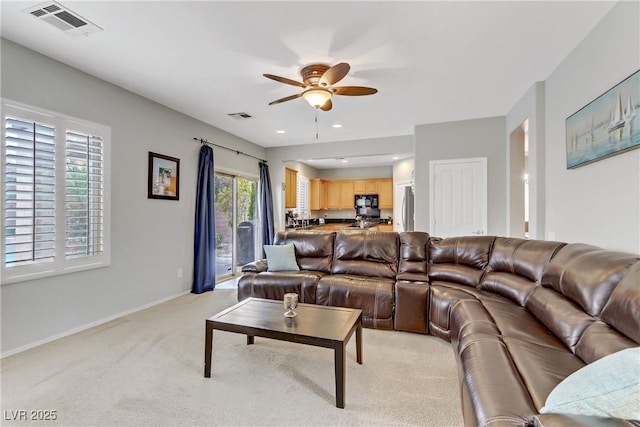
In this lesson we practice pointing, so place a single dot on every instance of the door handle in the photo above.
(478, 232)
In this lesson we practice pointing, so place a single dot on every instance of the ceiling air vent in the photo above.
(241, 116)
(63, 19)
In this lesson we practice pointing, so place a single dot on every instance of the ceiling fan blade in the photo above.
(354, 90)
(327, 105)
(288, 98)
(334, 74)
(284, 80)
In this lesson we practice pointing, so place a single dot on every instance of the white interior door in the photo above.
(458, 197)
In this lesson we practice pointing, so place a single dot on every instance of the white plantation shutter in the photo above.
(302, 196)
(55, 210)
(84, 203)
(29, 209)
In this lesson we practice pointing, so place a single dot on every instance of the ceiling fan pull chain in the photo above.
(316, 123)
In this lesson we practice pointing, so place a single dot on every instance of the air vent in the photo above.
(63, 19)
(241, 116)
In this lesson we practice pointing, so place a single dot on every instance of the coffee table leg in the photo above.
(340, 374)
(359, 343)
(250, 339)
(208, 344)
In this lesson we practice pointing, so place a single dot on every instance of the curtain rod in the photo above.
(204, 141)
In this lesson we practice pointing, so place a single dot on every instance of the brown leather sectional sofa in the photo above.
(521, 315)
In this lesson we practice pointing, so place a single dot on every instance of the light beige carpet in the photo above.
(146, 369)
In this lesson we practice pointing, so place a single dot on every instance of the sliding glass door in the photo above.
(236, 224)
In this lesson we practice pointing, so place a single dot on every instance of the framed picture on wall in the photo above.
(164, 177)
(608, 125)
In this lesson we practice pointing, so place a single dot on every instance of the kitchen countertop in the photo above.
(346, 224)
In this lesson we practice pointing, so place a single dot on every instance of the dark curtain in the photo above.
(204, 264)
(265, 207)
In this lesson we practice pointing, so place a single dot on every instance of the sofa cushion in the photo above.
(273, 285)
(497, 393)
(562, 316)
(622, 311)
(599, 340)
(413, 256)
(373, 295)
(471, 251)
(452, 273)
(469, 322)
(368, 253)
(541, 367)
(518, 323)
(608, 387)
(589, 277)
(527, 258)
(281, 258)
(314, 250)
(512, 286)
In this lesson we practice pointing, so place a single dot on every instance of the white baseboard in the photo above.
(87, 326)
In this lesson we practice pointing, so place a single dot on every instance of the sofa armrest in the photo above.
(569, 420)
(255, 267)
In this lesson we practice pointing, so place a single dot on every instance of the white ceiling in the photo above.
(431, 61)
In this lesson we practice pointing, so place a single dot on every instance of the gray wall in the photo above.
(460, 140)
(151, 239)
(356, 173)
(598, 203)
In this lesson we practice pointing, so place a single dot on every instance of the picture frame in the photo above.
(164, 177)
(607, 126)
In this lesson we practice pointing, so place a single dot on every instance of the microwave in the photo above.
(366, 201)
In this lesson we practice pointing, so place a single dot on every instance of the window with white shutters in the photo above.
(55, 213)
(302, 197)
(29, 203)
(84, 204)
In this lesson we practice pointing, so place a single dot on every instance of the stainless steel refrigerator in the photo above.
(407, 210)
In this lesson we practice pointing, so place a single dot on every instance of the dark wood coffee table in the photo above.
(317, 325)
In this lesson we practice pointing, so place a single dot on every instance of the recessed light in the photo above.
(280, 131)
(337, 125)
(395, 158)
(310, 160)
(344, 160)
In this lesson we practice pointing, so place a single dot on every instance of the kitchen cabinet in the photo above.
(371, 186)
(290, 188)
(385, 193)
(346, 195)
(384, 227)
(333, 195)
(360, 186)
(318, 195)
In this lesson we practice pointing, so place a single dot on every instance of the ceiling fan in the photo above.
(317, 82)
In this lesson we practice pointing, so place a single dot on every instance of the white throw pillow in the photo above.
(281, 258)
(608, 387)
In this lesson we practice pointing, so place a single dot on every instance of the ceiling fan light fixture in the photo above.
(317, 97)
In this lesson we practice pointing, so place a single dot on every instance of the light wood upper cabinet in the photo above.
(385, 193)
(290, 188)
(371, 186)
(333, 195)
(360, 186)
(318, 195)
(346, 195)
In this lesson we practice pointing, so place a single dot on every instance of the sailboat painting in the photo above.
(608, 125)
